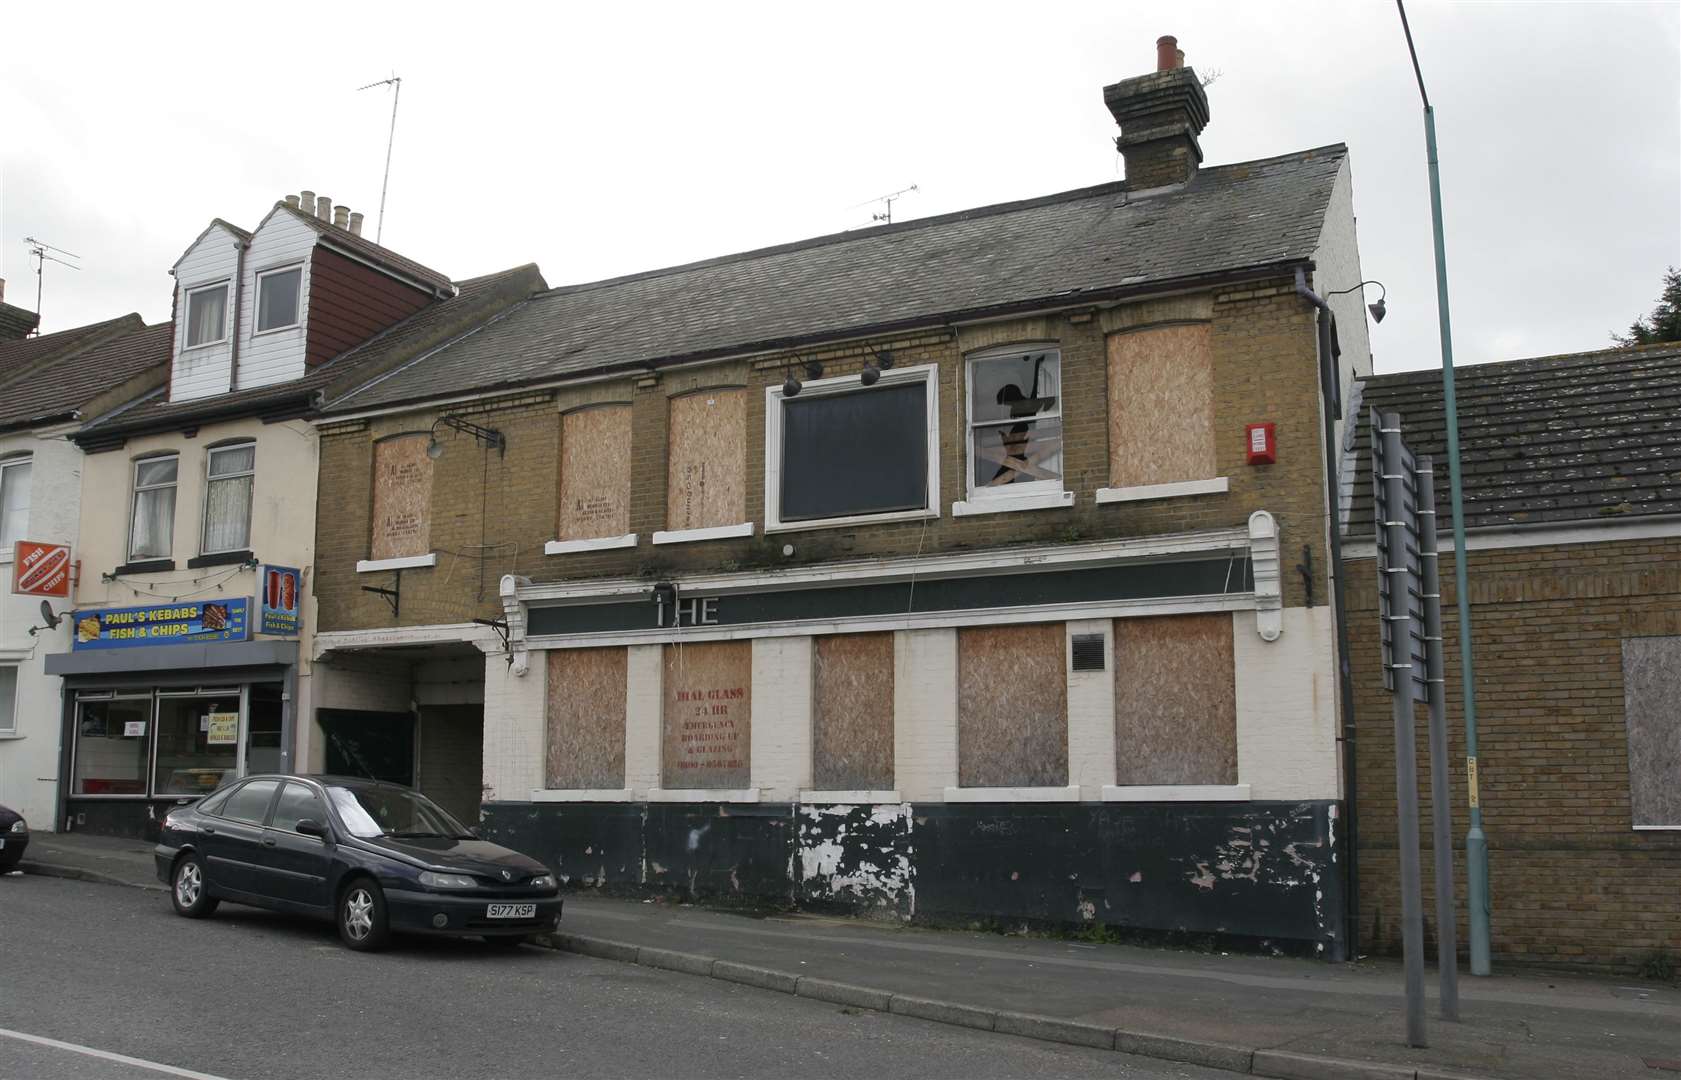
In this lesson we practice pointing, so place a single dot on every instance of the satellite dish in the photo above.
(48, 616)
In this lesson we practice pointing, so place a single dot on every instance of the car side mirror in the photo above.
(311, 827)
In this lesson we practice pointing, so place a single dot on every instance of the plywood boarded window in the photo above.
(1175, 700)
(595, 473)
(852, 712)
(586, 719)
(402, 504)
(1012, 706)
(707, 460)
(1651, 688)
(708, 715)
(1161, 405)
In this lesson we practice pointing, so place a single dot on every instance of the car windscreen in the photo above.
(378, 811)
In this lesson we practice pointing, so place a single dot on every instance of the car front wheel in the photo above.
(188, 891)
(361, 916)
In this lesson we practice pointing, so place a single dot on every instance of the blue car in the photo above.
(373, 857)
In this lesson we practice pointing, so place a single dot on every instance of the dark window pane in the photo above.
(196, 748)
(112, 739)
(250, 803)
(864, 452)
(277, 299)
(296, 803)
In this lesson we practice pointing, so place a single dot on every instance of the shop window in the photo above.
(262, 728)
(207, 315)
(8, 699)
(841, 450)
(1012, 706)
(14, 501)
(277, 298)
(852, 712)
(250, 802)
(230, 473)
(1015, 423)
(1651, 687)
(1175, 700)
(586, 718)
(113, 745)
(595, 473)
(708, 715)
(1161, 406)
(296, 803)
(707, 460)
(152, 532)
(402, 497)
(197, 743)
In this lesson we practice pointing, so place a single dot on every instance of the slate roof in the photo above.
(1581, 437)
(62, 388)
(15, 322)
(367, 249)
(1015, 256)
(429, 327)
(19, 355)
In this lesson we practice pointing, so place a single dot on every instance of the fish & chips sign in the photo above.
(180, 623)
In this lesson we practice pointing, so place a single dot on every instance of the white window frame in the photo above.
(1035, 494)
(6, 465)
(925, 373)
(9, 721)
(186, 336)
(134, 503)
(204, 507)
(257, 328)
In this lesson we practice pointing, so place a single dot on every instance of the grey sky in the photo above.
(614, 138)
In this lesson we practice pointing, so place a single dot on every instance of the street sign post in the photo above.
(1441, 804)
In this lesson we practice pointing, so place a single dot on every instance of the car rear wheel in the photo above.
(361, 916)
(188, 891)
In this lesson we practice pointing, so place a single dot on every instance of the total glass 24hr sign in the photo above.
(187, 622)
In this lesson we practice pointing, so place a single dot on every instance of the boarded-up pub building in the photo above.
(184, 658)
(973, 565)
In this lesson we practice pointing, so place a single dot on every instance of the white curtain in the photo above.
(227, 507)
(209, 308)
(14, 503)
(154, 509)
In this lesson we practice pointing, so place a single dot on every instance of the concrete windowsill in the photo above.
(1176, 793)
(1012, 794)
(739, 795)
(1164, 491)
(407, 562)
(851, 798)
(1006, 504)
(600, 543)
(582, 795)
(715, 532)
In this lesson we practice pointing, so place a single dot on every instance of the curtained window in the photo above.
(152, 534)
(14, 501)
(227, 498)
(207, 316)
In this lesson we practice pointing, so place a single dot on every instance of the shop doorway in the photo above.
(451, 758)
(376, 745)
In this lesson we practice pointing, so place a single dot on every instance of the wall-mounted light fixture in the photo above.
(792, 386)
(1378, 309)
(882, 361)
(484, 436)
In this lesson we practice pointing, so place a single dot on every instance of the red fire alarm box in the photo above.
(1262, 445)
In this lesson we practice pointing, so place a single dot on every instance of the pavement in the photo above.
(1256, 1015)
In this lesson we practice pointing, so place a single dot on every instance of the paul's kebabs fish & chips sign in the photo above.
(178, 623)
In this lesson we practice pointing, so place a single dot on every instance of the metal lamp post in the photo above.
(1476, 842)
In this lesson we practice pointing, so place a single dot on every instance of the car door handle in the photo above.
(207, 829)
(269, 841)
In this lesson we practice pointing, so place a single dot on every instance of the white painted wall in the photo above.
(448, 682)
(924, 713)
(278, 355)
(514, 728)
(1337, 266)
(780, 756)
(1091, 713)
(29, 760)
(206, 370)
(1287, 707)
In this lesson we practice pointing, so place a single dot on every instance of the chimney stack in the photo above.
(291, 200)
(341, 216)
(324, 207)
(1161, 115)
(356, 222)
(306, 201)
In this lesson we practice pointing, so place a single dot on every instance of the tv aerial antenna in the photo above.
(885, 214)
(396, 84)
(44, 253)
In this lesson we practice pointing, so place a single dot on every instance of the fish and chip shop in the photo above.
(166, 702)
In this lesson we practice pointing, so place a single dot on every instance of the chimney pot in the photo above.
(356, 222)
(323, 207)
(292, 201)
(306, 201)
(1168, 55)
(341, 216)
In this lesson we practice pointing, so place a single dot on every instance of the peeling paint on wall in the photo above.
(856, 854)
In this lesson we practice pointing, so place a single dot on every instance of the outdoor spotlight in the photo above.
(884, 359)
(434, 448)
(870, 375)
(790, 387)
(813, 369)
(1378, 310)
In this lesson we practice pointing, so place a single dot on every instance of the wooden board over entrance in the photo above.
(1175, 700)
(586, 719)
(708, 715)
(1012, 706)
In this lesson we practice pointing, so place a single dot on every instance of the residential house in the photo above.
(1572, 507)
(972, 566)
(187, 658)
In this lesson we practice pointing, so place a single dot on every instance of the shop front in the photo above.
(163, 704)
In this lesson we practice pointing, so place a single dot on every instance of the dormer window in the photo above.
(277, 298)
(207, 315)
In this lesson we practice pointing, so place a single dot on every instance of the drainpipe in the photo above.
(238, 292)
(1330, 392)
